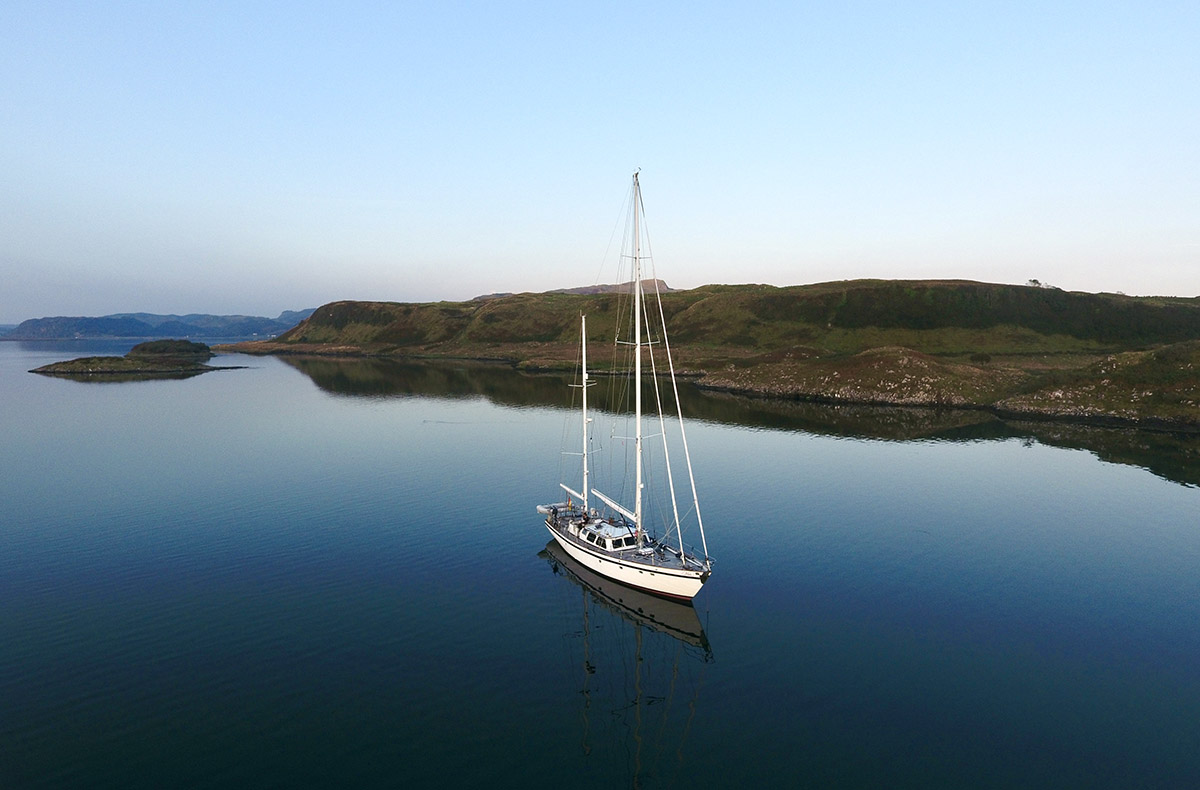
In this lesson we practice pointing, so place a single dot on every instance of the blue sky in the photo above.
(254, 157)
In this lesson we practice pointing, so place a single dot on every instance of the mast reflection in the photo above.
(641, 661)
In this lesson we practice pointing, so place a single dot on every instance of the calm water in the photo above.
(324, 574)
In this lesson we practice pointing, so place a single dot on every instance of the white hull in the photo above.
(673, 583)
(678, 619)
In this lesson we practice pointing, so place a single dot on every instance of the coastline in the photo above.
(900, 378)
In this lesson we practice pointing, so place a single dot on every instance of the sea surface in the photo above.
(330, 574)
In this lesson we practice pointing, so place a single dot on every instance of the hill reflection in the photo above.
(1174, 457)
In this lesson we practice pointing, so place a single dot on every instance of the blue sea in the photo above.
(330, 573)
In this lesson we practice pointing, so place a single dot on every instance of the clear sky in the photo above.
(249, 157)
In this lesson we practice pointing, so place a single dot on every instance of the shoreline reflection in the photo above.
(1171, 456)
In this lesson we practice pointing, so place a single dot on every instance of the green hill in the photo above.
(841, 317)
(865, 341)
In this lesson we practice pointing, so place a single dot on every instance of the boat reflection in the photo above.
(641, 661)
(677, 619)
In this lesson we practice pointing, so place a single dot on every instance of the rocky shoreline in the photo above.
(889, 376)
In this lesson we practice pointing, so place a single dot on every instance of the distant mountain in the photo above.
(293, 317)
(650, 286)
(152, 325)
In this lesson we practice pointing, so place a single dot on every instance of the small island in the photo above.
(156, 359)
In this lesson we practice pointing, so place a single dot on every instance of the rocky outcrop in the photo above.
(891, 375)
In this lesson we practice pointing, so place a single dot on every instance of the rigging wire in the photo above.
(619, 387)
(569, 420)
(679, 413)
(612, 235)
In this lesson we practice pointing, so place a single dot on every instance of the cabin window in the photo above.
(590, 538)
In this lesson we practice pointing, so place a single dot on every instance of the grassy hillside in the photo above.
(864, 341)
(843, 317)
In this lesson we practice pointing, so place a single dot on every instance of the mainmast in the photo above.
(637, 357)
(583, 342)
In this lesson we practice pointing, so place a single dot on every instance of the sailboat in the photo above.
(616, 540)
